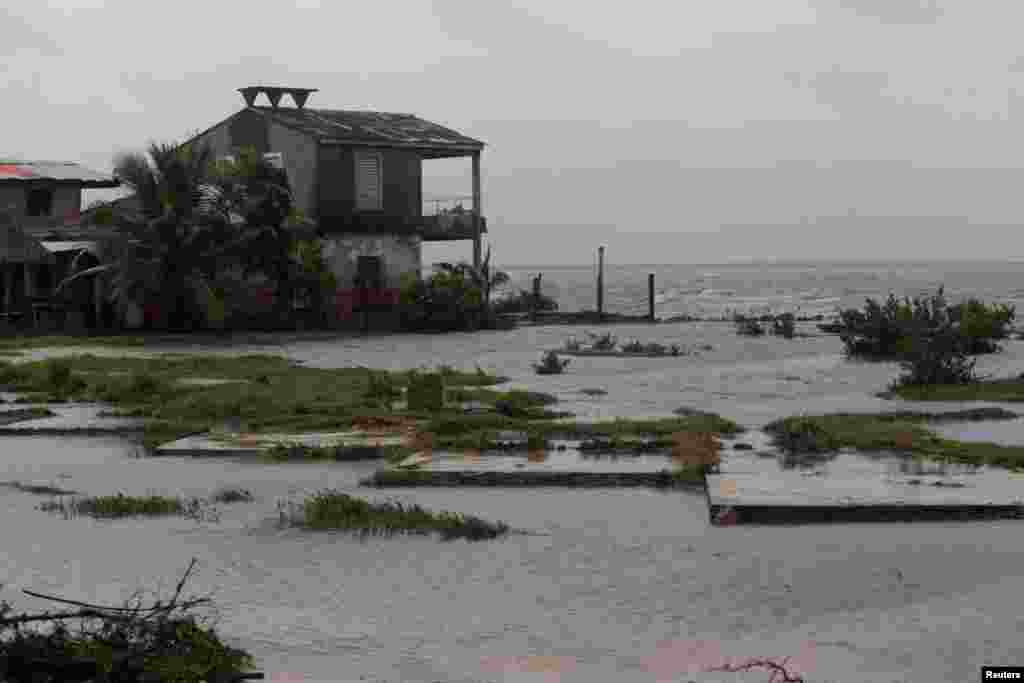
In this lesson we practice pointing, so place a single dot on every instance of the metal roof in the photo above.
(335, 126)
(59, 171)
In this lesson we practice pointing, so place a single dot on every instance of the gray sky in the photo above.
(686, 131)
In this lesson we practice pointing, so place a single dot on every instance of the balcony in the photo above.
(448, 219)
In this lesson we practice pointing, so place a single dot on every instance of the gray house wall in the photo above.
(400, 255)
(300, 163)
(67, 203)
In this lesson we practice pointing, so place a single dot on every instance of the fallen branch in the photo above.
(776, 668)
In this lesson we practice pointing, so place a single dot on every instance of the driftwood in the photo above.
(779, 672)
(136, 633)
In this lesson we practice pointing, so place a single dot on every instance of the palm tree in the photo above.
(198, 218)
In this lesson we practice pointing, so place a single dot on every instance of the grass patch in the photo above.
(303, 453)
(21, 343)
(997, 390)
(334, 510)
(481, 431)
(120, 505)
(901, 432)
(275, 396)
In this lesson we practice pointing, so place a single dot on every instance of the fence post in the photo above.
(600, 283)
(650, 296)
(536, 295)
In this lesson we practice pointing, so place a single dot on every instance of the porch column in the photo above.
(477, 210)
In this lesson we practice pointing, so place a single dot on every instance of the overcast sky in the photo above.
(673, 132)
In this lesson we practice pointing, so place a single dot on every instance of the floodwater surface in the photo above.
(620, 584)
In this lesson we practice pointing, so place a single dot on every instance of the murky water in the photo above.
(624, 585)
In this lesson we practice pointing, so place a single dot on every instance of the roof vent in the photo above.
(274, 93)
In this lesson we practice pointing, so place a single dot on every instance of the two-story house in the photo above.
(359, 176)
(40, 235)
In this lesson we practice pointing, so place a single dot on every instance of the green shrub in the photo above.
(425, 391)
(334, 510)
(895, 329)
(603, 342)
(523, 302)
(748, 327)
(551, 364)
(784, 326)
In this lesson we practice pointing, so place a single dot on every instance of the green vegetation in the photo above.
(523, 302)
(166, 641)
(996, 390)
(482, 431)
(274, 394)
(334, 510)
(897, 329)
(120, 505)
(901, 432)
(15, 345)
(303, 453)
(748, 327)
(551, 364)
(784, 326)
(455, 297)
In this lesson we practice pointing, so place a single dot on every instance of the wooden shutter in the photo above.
(368, 181)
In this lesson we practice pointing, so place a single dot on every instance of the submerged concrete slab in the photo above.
(853, 487)
(225, 444)
(71, 419)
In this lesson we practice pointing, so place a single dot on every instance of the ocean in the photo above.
(714, 291)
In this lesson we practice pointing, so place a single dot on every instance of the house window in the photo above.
(368, 181)
(39, 201)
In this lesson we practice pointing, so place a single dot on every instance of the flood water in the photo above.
(613, 585)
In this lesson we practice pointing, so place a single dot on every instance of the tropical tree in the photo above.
(197, 220)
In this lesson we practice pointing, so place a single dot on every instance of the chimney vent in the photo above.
(274, 93)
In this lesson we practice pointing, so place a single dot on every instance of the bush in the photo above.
(748, 327)
(938, 359)
(425, 391)
(523, 302)
(551, 364)
(784, 326)
(634, 346)
(897, 329)
(166, 642)
(381, 389)
(603, 342)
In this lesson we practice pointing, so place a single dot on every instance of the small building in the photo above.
(41, 236)
(358, 176)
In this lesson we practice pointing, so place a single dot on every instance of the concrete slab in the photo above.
(70, 419)
(225, 444)
(854, 487)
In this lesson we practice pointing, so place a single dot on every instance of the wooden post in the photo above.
(600, 282)
(650, 296)
(536, 295)
(477, 210)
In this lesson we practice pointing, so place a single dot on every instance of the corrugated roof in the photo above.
(59, 171)
(370, 127)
